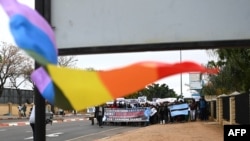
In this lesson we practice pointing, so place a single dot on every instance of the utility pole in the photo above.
(43, 8)
(181, 74)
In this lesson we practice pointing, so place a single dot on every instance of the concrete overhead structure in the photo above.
(112, 26)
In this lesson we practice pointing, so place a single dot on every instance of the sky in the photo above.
(109, 61)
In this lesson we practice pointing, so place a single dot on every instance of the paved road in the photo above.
(65, 131)
(71, 128)
(17, 121)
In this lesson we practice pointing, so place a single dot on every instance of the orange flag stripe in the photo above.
(126, 80)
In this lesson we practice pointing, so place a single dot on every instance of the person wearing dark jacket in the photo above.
(162, 113)
(203, 108)
(100, 114)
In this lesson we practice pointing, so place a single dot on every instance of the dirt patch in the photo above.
(189, 131)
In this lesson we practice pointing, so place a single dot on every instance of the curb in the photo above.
(14, 124)
(11, 118)
(24, 123)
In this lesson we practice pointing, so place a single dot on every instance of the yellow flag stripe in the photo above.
(81, 88)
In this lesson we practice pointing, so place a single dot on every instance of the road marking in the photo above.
(2, 129)
(29, 138)
(94, 134)
(48, 135)
(54, 134)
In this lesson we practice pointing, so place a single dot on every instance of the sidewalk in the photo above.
(188, 131)
(9, 117)
(22, 121)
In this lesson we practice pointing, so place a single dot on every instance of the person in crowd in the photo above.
(100, 114)
(30, 111)
(203, 108)
(161, 113)
(147, 113)
(61, 112)
(121, 104)
(166, 112)
(92, 118)
(95, 116)
(74, 112)
(48, 113)
(153, 115)
(24, 109)
(193, 108)
(114, 105)
(32, 120)
(20, 110)
(47, 107)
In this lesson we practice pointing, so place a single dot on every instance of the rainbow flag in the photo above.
(78, 89)
(73, 88)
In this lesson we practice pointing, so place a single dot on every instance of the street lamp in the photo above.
(181, 73)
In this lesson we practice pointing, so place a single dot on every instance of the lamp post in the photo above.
(181, 75)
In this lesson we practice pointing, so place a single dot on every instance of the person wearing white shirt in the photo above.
(32, 120)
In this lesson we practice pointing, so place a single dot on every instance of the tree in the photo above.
(13, 63)
(154, 91)
(234, 72)
(20, 78)
(67, 61)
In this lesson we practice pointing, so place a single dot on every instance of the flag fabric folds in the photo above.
(31, 32)
(81, 88)
(73, 88)
(178, 109)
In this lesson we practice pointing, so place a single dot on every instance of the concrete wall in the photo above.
(11, 109)
(219, 111)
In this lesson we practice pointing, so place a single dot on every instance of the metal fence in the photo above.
(11, 96)
(234, 109)
(214, 109)
(226, 108)
(242, 108)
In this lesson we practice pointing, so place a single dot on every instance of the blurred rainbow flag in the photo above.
(77, 89)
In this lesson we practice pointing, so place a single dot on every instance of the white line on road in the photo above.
(48, 135)
(93, 134)
(2, 129)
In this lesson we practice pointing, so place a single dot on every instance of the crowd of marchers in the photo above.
(158, 113)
